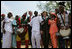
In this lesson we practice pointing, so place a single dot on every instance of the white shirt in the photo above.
(8, 24)
(35, 23)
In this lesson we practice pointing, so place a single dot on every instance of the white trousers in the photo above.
(35, 38)
(6, 40)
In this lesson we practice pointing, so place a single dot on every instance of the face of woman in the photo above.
(30, 13)
(16, 18)
(44, 14)
(53, 17)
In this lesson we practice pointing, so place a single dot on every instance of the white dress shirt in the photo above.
(35, 23)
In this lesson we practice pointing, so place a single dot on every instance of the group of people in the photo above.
(38, 30)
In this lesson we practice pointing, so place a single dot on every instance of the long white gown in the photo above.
(7, 35)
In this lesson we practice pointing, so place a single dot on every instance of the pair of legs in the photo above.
(29, 32)
(41, 42)
(35, 39)
(53, 40)
(26, 40)
(26, 43)
(13, 40)
(67, 42)
(18, 41)
(46, 38)
(18, 44)
(61, 42)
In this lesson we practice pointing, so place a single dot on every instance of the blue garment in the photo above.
(14, 35)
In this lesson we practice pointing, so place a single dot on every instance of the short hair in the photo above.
(35, 12)
(10, 14)
(17, 16)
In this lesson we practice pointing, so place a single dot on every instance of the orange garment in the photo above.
(53, 26)
(52, 31)
(53, 40)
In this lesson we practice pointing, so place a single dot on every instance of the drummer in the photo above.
(64, 14)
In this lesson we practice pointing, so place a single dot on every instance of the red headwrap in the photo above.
(24, 14)
(19, 22)
(2, 14)
(53, 14)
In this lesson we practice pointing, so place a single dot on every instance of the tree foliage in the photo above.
(51, 5)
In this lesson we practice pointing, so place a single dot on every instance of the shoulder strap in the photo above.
(62, 19)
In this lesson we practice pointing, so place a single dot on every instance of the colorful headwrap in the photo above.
(53, 14)
(2, 14)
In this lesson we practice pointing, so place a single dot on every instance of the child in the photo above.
(53, 29)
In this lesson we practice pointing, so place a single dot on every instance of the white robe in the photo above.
(7, 35)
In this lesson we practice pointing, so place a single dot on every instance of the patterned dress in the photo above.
(26, 29)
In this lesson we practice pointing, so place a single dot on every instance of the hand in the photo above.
(42, 23)
(66, 27)
(22, 25)
(17, 22)
(41, 32)
(62, 28)
(13, 32)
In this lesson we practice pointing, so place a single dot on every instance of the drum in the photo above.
(20, 30)
(65, 32)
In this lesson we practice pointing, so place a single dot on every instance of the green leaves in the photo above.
(51, 5)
